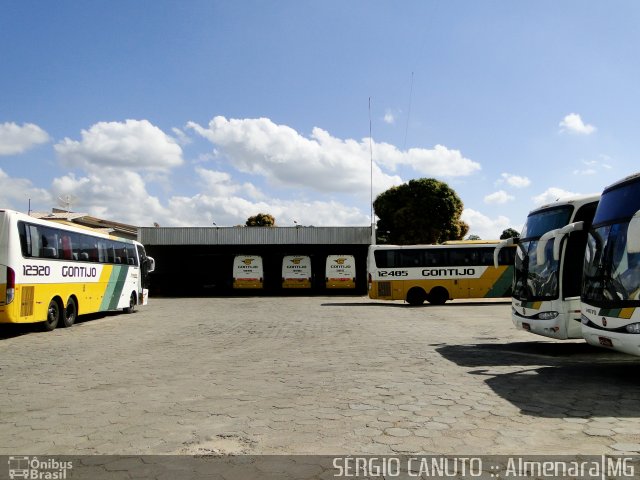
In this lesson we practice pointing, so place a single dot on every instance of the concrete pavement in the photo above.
(312, 375)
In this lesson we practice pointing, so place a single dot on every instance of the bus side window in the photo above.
(507, 256)
(65, 247)
(132, 258)
(34, 235)
(25, 239)
(102, 251)
(49, 242)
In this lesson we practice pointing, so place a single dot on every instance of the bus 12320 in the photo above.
(50, 273)
(437, 273)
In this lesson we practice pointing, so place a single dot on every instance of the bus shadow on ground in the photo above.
(13, 330)
(555, 380)
(401, 304)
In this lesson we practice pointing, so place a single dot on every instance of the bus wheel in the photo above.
(70, 313)
(132, 304)
(415, 296)
(53, 316)
(438, 296)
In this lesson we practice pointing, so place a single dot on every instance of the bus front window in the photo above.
(533, 281)
(611, 273)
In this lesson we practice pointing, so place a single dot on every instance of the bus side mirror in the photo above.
(541, 258)
(633, 234)
(152, 264)
(500, 246)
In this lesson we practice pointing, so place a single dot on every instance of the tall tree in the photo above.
(424, 210)
(509, 233)
(261, 220)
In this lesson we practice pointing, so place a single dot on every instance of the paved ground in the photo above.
(321, 375)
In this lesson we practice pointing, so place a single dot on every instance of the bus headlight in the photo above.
(633, 328)
(547, 315)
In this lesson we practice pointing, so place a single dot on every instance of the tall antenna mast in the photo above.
(373, 222)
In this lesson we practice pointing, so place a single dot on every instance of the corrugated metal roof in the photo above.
(254, 235)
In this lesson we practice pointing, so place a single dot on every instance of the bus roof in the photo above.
(71, 227)
(573, 200)
(629, 179)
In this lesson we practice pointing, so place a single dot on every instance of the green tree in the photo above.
(424, 210)
(474, 237)
(261, 220)
(509, 233)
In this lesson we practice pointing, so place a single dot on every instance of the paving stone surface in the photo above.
(316, 375)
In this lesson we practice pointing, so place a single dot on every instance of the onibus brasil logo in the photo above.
(38, 469)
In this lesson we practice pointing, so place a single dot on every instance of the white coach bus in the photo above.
(50, 273)
(548, 267)
(611, 289)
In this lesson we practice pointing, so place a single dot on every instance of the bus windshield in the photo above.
(612, 274)
(539, 223)
(532, 281)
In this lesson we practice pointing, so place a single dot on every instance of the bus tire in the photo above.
(438, 296)
(132, 304)
(53, 316)
(416, 296)
(70, 313)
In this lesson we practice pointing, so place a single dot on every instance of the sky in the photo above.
(206, 112)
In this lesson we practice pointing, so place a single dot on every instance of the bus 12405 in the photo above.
(52, 273)
(438, 273)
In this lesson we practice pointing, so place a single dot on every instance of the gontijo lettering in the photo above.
(86, 272)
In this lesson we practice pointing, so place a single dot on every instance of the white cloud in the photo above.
(483, 226)
(551, 195)
(322, 162)
(439, 161)
(15, 193)
(389, 118)
(119, 195)
(221, 200)
(134, 144)
(498, 198)
(286, 158)
(515, 180)
(220, 184)
(15, 139)
(573, 123)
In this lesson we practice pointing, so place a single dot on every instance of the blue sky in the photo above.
(199, 112)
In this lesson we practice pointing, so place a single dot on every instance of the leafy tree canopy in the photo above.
(261, 220)
(474, 237)
(424, 210)
(509, 233)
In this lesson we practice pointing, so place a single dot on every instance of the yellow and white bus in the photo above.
(438, 273)
(548, 267)
(248, 272)
(50, 273)
(340, 272)
(296, 271)
(611, 286)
